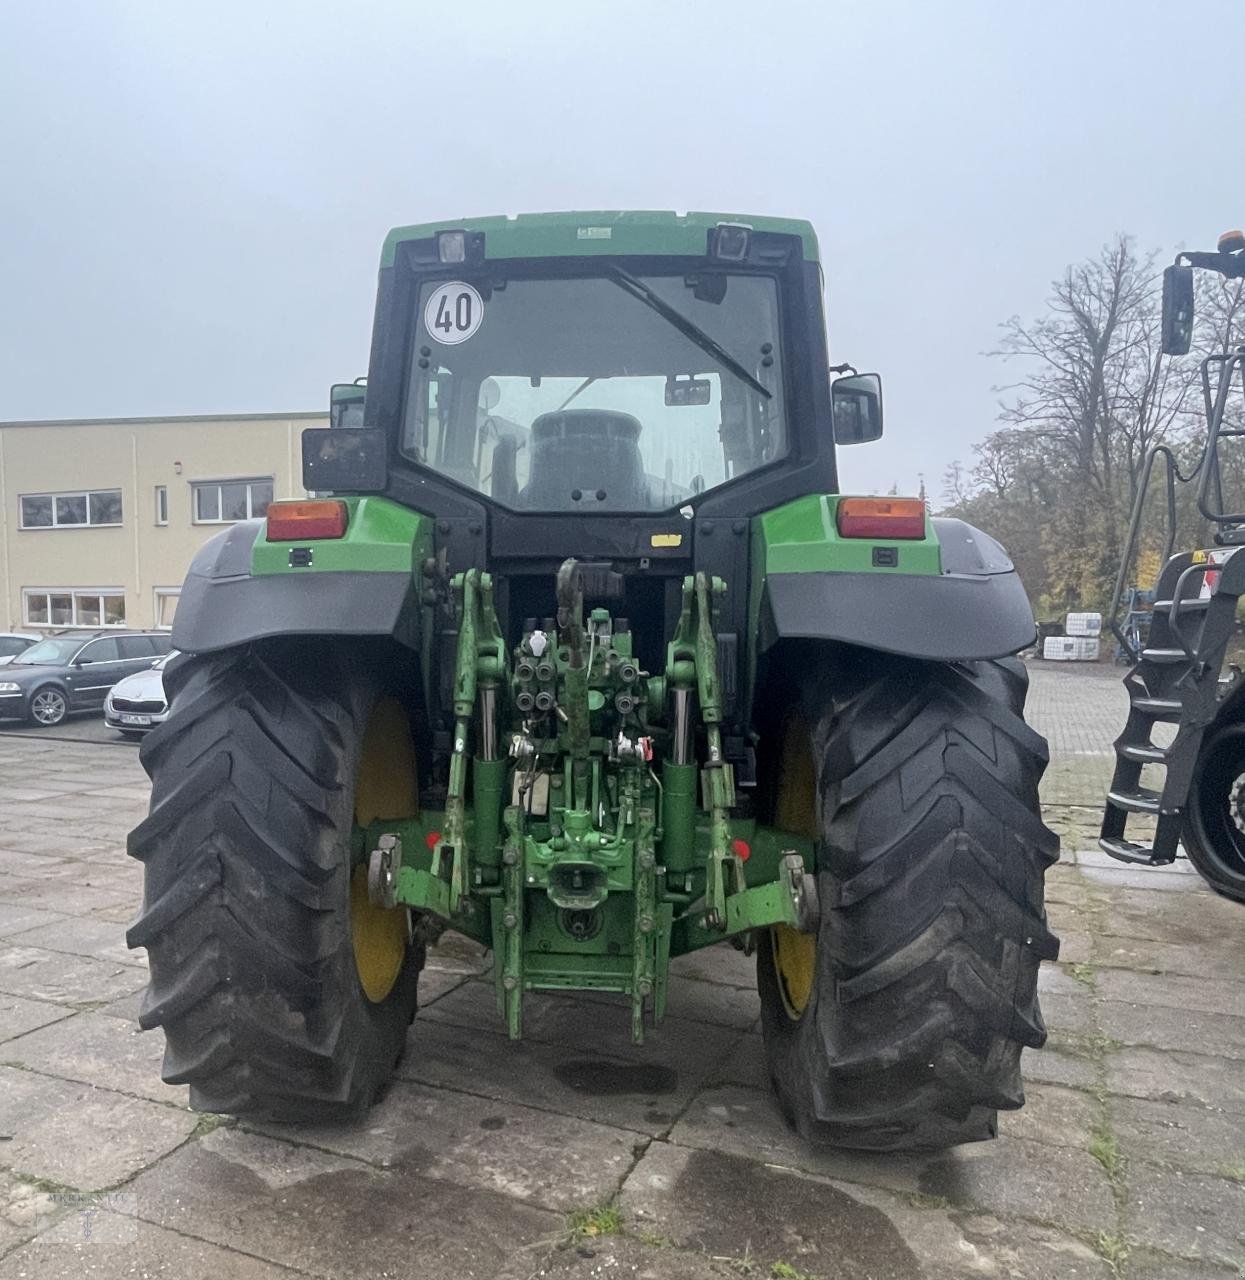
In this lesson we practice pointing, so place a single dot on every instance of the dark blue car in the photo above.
(65, 673)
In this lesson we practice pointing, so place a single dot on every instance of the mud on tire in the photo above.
(246, 908)
(931, 861)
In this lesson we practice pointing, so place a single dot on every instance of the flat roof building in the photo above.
(99, 518)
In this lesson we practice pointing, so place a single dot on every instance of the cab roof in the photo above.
(579, 234)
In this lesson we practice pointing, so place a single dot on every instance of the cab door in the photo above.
(95, 669)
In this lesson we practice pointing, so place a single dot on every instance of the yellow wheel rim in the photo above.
(386, 786)
(795, 954)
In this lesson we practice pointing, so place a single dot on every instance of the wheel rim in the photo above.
(48, 707)
(1217, 803)
(386, 786)
(795, 953)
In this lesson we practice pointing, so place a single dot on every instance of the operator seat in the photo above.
(587, 451)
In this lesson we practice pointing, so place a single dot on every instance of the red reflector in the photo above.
(297, 521)
(741, 849)
(432, 839)
(881, 518)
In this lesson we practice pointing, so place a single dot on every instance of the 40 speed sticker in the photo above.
(453, 313)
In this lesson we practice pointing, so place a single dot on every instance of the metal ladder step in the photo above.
(1142, 752)
(1164, 606)
(1130, 851)
(1140, 801)
(1164, 656)
(1160, 708)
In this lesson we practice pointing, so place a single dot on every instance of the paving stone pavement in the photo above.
(1128, 1160)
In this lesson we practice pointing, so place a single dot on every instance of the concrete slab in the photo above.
(824, 1228)
(1204, 995)
(1070, 1014)
(1199, 960)
(1187, 1214)
(722, 963)
(558, 1162)
(1162, 917)
(639, 1088)
(435, 983)
(334, 1216)
(745, 1064)
(1165, 1027)
(17, 1016)
(79, 1136)
(83, 936)
(1009, 1176)
(38, 974)
(16, 917)
(697, 1001)
(102, 1245)
(77, 898)
(1145, 1265)
(99, 1050)
(125, 1007)
(1061, 1117)
(1177, 1077)
(623, 1256)
(572, 1020)
(24, 1208)
(1195, 1139)
(453, 953)
(1057, 1064)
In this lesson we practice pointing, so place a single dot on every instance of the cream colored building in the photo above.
(100, 517)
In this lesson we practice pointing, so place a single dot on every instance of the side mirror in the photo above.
(856, 407)
(1177, 310)
(346, 404)
(345, 460)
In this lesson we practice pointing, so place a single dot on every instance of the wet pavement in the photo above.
(576, 1155)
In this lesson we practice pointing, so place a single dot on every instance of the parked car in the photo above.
(135, 705)
(65, 673)
(14, 642)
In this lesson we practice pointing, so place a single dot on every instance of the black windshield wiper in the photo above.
(693, 332)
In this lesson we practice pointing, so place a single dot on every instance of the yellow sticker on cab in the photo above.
(666, 540)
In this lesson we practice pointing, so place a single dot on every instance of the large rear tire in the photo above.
(900, 1026)
(282, 992)
(1214, 827)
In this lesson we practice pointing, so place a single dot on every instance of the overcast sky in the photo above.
(193, 195)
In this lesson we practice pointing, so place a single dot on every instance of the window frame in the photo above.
(84, 494)
(100, 594)
(91, 644)
(163, 593)
(162, 505)
(218, 485)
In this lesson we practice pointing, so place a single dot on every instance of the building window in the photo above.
(166, 606)
(67, 510)
(162, 504)
(225, 501)
(73, 606)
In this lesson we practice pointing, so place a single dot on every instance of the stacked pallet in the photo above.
(1079, 642)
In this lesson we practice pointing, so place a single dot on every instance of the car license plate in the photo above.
(135, 720)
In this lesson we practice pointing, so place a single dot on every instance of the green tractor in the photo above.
(1197, 799)
(578, 652)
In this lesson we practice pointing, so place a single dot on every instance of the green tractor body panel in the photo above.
(381, 537)
(803, 537)
(589, 636)
(585, 234)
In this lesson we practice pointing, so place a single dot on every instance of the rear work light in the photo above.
(881, 518)
(299, 521)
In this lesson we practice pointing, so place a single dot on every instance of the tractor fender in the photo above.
(975, 608)
(224, 603)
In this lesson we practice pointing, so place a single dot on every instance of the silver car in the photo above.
(135, 705)
(14, 642)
